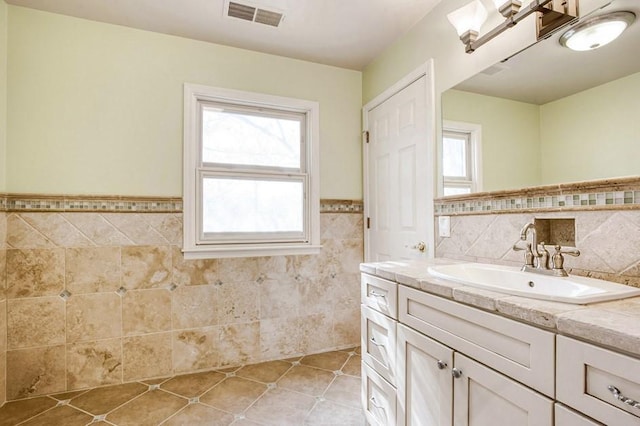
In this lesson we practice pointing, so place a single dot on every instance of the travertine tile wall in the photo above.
(3, 307)
(609, 241)
(103, 298)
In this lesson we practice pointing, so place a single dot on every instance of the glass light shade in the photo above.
(468, 18)
(597, 32)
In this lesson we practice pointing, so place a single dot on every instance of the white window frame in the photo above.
(194, 247)
(475, 154)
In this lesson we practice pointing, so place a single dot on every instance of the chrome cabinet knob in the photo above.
(442, 365)
(456, 373)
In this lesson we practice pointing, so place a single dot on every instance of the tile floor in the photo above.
(322, 389)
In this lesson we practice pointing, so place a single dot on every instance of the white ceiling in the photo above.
(343, 33)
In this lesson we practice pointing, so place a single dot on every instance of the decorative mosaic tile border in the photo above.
(66, 203)
(608, 194)
(341, 206)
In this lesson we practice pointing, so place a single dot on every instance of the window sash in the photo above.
(223, 238)
(468, 158)
(255, 111)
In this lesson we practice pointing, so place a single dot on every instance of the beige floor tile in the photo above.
(353, 366)
(62, 415)
(234, 394)
(200, 415)
(15, 412)
(157, 381)
(328, 360)
(245, 422)
(192, 385)
(67, 395)
(281, 407)
(266, 372)
(307, 380)
(103, 400)
(329, 413)
(345, 390)
(150, 409)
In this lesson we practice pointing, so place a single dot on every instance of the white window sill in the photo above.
(209, 252)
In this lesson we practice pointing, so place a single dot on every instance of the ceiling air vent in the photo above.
(254, 14)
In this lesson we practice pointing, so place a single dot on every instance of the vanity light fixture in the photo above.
(468, 19)
(597, 31)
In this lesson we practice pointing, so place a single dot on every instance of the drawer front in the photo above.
(380, 294)
(378, 398)
(520, 351)
(379, 343)
(568, 417)
(587, 376)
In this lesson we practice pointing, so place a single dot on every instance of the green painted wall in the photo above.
(97, 108)
(593, 134)
(3, 95)
(510, 147)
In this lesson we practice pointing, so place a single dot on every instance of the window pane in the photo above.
(453, 190)
(248, 205)
(236, 137)
(454, 156)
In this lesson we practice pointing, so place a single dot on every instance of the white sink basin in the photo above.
(510, 280)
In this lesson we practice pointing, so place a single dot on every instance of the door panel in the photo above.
(425, 388)
(398, 176)
(484, 397)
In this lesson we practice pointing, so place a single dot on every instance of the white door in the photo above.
(425, 383)
(399, 171)
(483, 397)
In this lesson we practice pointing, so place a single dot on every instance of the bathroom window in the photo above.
(250, 174)
(461, 161)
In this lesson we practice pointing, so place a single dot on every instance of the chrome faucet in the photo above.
(536, 255)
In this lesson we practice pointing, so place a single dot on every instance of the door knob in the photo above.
(421, 246)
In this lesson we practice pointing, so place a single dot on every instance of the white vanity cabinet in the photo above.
(432, 361)
(438, 385)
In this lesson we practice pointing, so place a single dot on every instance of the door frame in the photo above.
(425, 70)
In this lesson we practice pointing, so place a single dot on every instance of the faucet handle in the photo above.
(572, 251)
(528, 254)
(558, 259)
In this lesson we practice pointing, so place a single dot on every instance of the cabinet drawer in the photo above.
(518, 350)
(567, 417)
(585, 373)
(379, 343)
(378, 398)
(380, 294)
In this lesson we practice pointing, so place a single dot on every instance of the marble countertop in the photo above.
(615, 325)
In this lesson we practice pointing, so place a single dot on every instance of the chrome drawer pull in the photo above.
(375, 403)
(620, 397)
(372, 340)
(379, 407)
(376, 294)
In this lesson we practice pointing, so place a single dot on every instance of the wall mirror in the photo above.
(546, 115)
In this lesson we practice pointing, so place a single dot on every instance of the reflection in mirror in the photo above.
(550, 115)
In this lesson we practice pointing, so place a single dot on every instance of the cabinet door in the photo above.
(567, 417)
(483, 397)
(424, 380)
